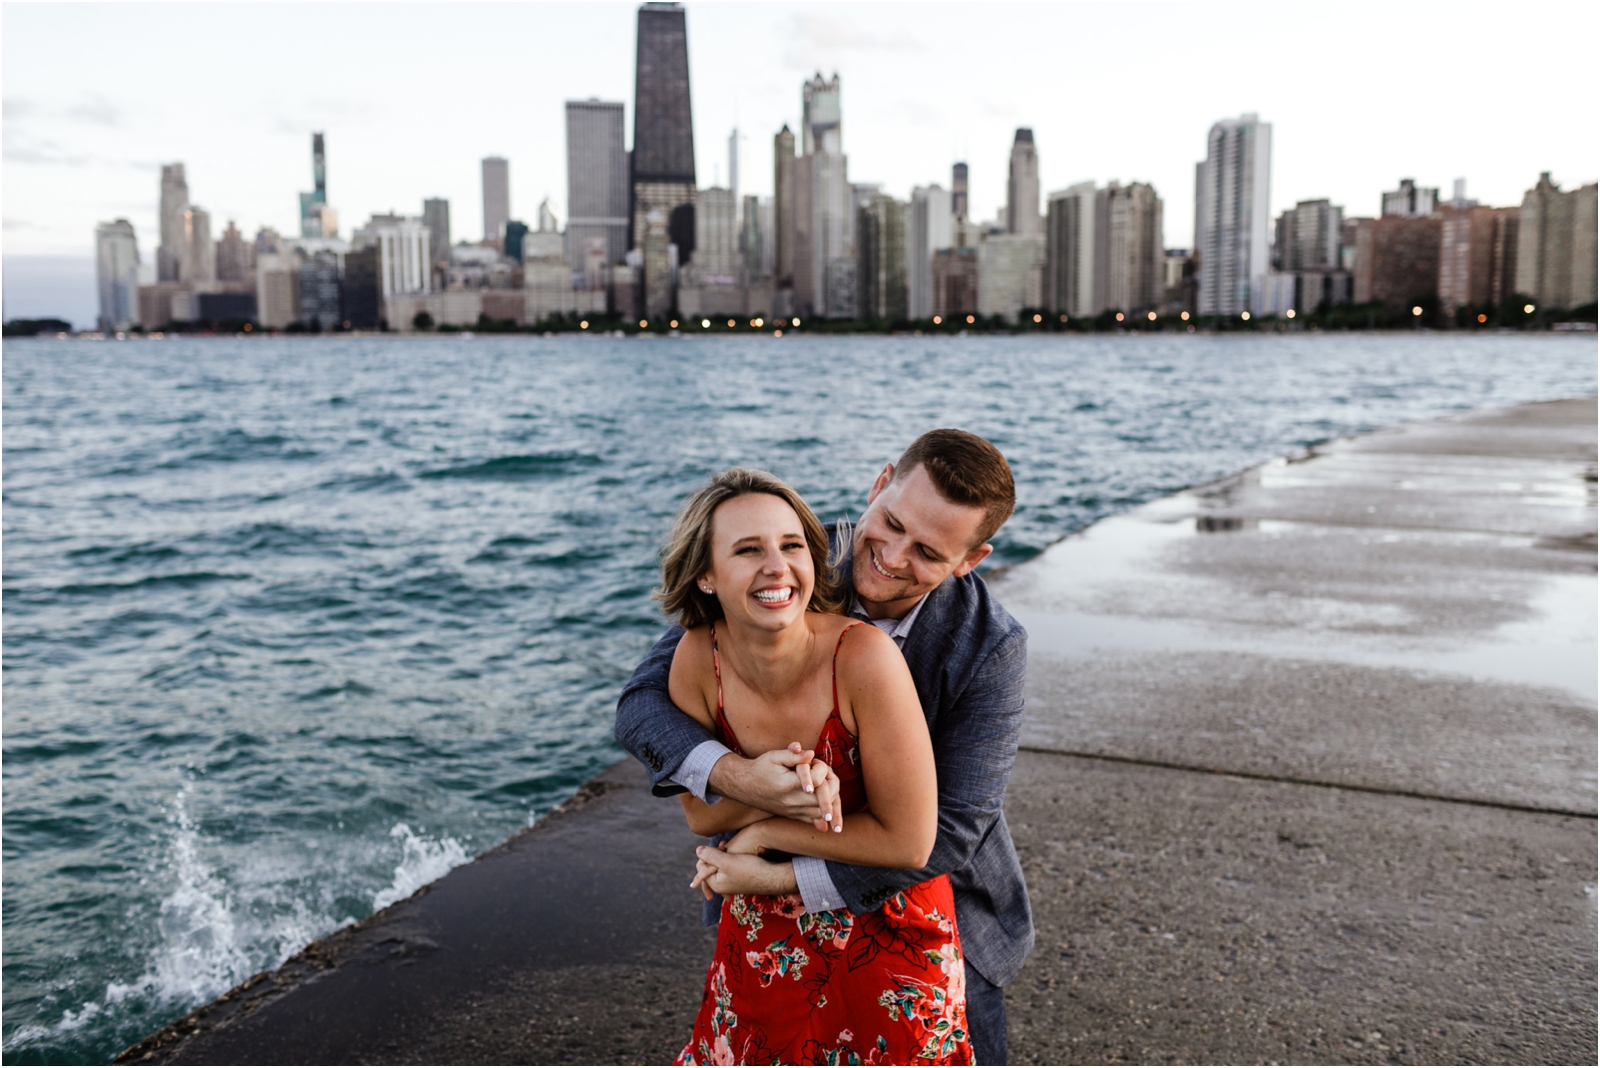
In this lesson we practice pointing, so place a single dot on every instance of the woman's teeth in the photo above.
(775, 596)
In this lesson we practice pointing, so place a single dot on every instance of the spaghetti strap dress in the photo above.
(791, 987)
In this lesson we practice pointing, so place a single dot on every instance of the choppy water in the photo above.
(293, 627)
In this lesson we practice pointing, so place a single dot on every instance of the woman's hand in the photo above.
(827, 787)
(720, 872)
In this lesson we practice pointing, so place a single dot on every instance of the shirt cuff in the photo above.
(816, 885)
(694, 774)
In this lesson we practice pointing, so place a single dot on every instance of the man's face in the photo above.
(909, 540)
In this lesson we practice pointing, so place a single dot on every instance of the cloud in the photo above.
(16, 107)
(815, 37)
(97, 110)
(18, 224)
(33, 151)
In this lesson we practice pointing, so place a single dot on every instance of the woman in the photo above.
(767, 658)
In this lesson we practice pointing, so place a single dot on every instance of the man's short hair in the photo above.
(966, 470)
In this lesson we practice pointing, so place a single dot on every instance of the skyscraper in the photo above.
(436, 217)
(173, 252)
(597, 181)
(116, 255)
(235, 256)
(733, 163)
(783, 163)
(824, 253)
(928, 229)
(496, 198)
(1135, 253)
(1077, 251)
(1411, 200)
(881, 259)
(958, 190)
(1022, 186)
(316, 218)
(200, 263)
(663, 179)
(1232, 188)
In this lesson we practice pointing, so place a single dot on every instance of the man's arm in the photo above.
(651, 727)
(680, 754)
(974, 750)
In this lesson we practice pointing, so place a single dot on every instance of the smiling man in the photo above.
(911, 557)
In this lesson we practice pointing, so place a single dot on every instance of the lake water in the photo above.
(292, 627)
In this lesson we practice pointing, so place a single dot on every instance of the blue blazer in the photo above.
(968, 658)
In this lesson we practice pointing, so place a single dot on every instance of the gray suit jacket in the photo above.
(967, 658)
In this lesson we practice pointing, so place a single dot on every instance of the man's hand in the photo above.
(785, 782)
(740, 873)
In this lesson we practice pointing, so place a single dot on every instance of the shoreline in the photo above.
(1275, 726)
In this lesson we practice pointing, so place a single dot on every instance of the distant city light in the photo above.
(970, 319)
(1152, 316)
(1245, 316)
(673, 324)
(777, 333)
(1527, 309)
(1289, 313)
(643, 323)
(584, 325)
(249, 327)
(1063, 318)
(1416, 309)
(705, 324)
(1119, 317)
(937, 320)
(760, 322)
(1182, 315)
(732, 323)
(1482, 318)
(1038, 318)
(794, 322)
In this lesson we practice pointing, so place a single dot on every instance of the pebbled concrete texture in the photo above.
(1308, 777)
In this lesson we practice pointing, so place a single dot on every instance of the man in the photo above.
(928, 522)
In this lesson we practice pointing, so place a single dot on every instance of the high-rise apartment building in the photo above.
(881, 259)
(1396, 260)
(597, 180)
(1077, 251)
(320, 274)
(958, 190)
(1232, 222)
(752, 239)
(1556, 245)
(496, 198)
(1477, 255)
(436, 217)
(824, 253)
(403, 258)
(1411, 201)
(116, 262)
(173, 252)
(1010, 272)
(663, 178)
(717, 259)
(235, 256)
(955, 283)
(1307, 258)
(1134, 250)
(930, 227)
(1022, 186)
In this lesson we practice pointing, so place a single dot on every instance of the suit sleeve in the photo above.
(650, 726)
(974, 749)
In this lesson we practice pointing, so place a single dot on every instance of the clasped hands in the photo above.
(783, 784)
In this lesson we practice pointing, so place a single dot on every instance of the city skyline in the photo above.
(68, 118)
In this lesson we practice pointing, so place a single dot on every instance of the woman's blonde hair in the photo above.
(687, 555)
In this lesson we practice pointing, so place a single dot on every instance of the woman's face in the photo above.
(760, 563)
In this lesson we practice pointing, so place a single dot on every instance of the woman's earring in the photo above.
(705, 589)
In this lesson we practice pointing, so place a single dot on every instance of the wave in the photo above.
(421, 862)
(187, 580)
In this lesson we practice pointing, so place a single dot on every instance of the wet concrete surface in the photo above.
(1302, 783)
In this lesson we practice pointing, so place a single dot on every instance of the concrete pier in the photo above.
(1308, 776)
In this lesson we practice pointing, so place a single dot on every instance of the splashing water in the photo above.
(421, 863)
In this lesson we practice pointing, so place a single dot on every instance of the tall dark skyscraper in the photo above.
(663, 178)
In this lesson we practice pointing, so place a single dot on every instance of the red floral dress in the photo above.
(790, 987)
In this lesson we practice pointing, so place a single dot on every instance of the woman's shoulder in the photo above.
(862, 648)
(695, 642)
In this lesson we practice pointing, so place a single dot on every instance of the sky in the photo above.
(412, 96)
